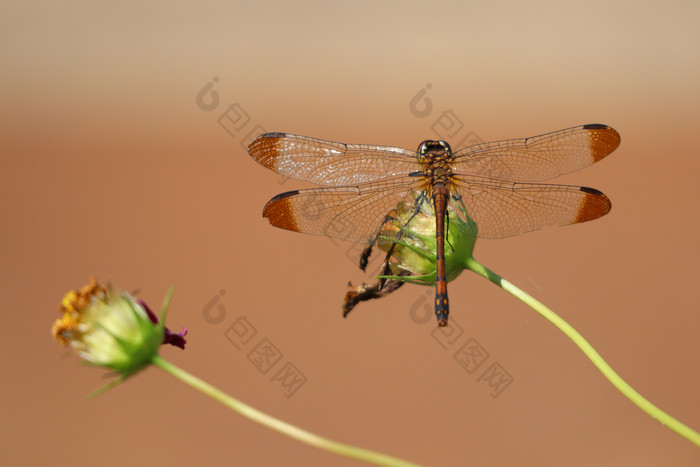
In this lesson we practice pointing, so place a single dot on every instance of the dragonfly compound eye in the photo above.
(423, 148)
(446, 147)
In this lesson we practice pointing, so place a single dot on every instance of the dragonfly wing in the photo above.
(540, 157)
(503, 208)
(328, 163)
(353, 213)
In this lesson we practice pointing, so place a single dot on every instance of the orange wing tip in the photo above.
(602, 140)
(264, 148)
(280, 213)
(594, 205)
(261, 139)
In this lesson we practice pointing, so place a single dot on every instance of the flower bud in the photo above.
(411, 232)
(110, 328)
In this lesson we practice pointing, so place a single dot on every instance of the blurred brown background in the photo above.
(112, 166)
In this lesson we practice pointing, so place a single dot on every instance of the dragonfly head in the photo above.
(434, 147)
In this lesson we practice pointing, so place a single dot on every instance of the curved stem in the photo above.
(590, 352)
(278, 425)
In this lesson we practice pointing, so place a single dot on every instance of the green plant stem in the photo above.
(590, 352)
(247, 411)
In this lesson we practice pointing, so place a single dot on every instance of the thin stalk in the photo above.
(590, 352)
(271, 422)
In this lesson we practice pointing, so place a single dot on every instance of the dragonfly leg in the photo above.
(382, 287)
(379, 289)
(447, 238)
(390, 218)
(361, 293)
(366, 253)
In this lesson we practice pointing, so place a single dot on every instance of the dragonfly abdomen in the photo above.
(442, 305)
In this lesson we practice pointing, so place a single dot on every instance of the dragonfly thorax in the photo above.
(436, 158)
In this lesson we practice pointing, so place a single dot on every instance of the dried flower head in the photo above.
(110, 328)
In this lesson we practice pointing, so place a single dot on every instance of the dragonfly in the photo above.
(498, 182)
